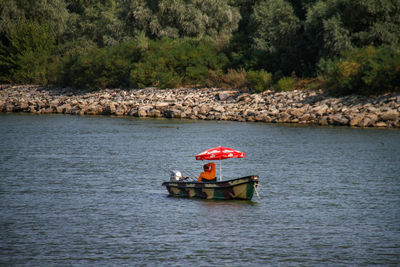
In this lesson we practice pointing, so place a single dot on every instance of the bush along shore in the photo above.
(298, 106)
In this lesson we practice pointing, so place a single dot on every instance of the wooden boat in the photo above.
(240, 188)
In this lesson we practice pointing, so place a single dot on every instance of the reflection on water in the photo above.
(87, 191)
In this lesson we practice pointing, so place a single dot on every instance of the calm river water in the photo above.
(79, 191)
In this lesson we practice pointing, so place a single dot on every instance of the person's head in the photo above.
(205, 167)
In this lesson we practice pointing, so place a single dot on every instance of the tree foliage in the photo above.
(52, 13)
(274, 26)
(97, 21)
(181, 18)
(175, 42)
(336, 25)
(26, 52)
(106, 67)
(274, 35)
(365, 71)
(168, 63)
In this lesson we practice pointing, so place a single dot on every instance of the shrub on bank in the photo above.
(312, 84)
(235, 79)
(285, 84)
(170, 63)
(366, 71)
(102, 68)
(163, 63)
(259, 80)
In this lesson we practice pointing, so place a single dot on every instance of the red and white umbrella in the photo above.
(219, 153)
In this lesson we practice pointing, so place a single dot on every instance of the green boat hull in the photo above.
(240, 188)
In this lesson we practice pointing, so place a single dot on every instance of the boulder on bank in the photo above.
(390, 115)
(226, 94)
(338, 119)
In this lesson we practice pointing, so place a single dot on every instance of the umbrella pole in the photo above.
(220, 171)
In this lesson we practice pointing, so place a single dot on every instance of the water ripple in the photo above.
(87, 191)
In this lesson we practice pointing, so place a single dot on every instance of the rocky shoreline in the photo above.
(304, 107)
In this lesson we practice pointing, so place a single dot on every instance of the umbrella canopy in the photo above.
(219, 153)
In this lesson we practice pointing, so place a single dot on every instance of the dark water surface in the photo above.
(79, 191)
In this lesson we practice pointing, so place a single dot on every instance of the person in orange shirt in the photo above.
(209, 173)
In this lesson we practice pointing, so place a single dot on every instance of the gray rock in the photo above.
(369, 120)
(305, 118)
(225, 95)
(355, 119)
(339, 120)
(161, 106)
(218, 108)
(204, 110)
(389, 116)
(143, 111)
(244, 97)
(284, 117)
(155, 113)
(323, 121)
(297, 112)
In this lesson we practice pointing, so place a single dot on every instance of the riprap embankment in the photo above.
(304, 107)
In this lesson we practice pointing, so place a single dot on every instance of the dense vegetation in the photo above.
(347, 46)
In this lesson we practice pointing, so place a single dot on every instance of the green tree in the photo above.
(333, 26)
(300, 7)
(26, 52)
(53, 13)
(274, 35)
(369, 70)
(275, 25)
(106, 67)
(181, 18)
(95, 21)
(173, 62)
